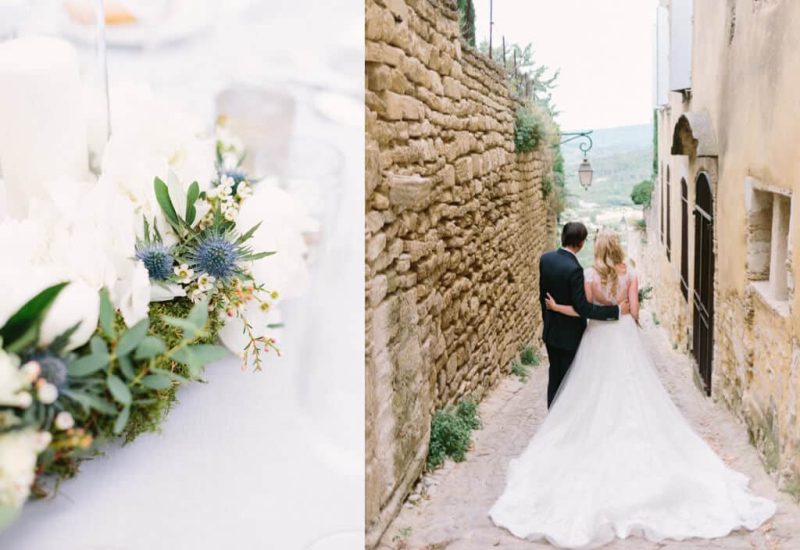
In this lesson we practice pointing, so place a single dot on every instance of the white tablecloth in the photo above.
(272, 459)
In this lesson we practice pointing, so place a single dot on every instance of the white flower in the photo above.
(78, 303)
(164, 293)
(31, 370)
(212, 193)
(184, 274)
(283, 224)
(244, 190)
(47, 393)
(13, 383)
(205, 282)
(196, 295)
(19, 450)
(231, 213)
(132, 294)
(64, 420)
(226, 184)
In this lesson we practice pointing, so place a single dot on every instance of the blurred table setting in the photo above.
(267, 459)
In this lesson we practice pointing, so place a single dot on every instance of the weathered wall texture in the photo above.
(455, 224)
(746, 77)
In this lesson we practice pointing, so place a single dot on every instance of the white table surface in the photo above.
(263, 460)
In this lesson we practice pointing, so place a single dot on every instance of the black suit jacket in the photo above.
(561, 274)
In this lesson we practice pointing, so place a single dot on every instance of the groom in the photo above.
(561, 275)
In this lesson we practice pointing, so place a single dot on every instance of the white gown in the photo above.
(615, 457)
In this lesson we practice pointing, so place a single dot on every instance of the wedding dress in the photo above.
(615, 457)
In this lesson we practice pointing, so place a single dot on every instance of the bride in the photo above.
(615, 457)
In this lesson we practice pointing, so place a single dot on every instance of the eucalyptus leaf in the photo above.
(88, 364)
(107, 314)
(189, 328)
(22, 328)
(256, 256)
(119, 389)
(164, 201)
(126, 367)
(149, 347)
(197, 356)
(60, 343)
(171, 375)
(156, 382)
(198, 315)
(98, 345)
(89, 401)
(122, 420)
(132, 337)
(191, 197)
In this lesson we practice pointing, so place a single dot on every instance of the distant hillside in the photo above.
(621, 157)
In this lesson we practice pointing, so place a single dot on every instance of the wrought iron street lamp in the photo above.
(585, 171)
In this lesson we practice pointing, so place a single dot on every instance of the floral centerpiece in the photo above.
(121, 288)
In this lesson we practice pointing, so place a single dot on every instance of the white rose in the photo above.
(77, 303)
(283, 222)
(18, 453)
(131, 294)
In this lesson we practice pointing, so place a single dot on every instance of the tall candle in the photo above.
(42, 122)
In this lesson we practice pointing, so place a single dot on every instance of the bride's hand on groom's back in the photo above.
(624, 308)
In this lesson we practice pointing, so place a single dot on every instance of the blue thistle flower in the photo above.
(54, 369)
(216, 256)
(157, 258)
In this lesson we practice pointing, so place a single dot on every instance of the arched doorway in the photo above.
(703, 321)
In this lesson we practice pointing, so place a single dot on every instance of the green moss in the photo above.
(148, 418)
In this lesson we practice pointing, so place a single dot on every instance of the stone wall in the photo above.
(455, 224)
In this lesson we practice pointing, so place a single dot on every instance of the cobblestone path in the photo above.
(448, 509)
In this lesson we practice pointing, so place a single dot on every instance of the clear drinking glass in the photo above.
(263, 119)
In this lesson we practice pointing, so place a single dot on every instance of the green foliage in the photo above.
(655, 143)
(22, 328)
(642, 193)
(450, 432)
(520, 371)
(466, 16)
(645, 293)
(529, 130)
(527, 79)
(528, 356)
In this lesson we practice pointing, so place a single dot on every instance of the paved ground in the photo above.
(450, 506)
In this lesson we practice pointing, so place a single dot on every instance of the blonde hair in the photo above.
(608, 254)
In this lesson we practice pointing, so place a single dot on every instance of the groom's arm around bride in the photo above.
(561, 276)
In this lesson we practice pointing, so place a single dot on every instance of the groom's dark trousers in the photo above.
(561, 275)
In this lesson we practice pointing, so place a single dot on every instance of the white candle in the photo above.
(42, 122)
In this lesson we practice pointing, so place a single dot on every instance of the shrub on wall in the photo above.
(466, 16)
(642, 193)
(529, 130)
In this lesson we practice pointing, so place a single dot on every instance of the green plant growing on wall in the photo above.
(642, 193)
(450, 432)
(520, 371)
(528, 356)
(529, 130)
(466, 16)
(655, 143)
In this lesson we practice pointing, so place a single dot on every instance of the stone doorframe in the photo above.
(694, 136)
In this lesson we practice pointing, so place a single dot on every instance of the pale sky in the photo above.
(603, 47)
